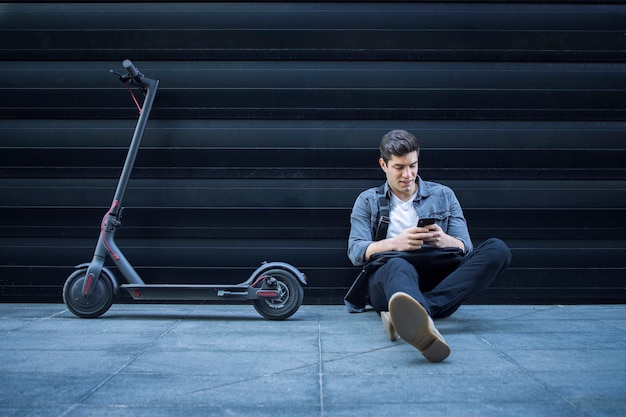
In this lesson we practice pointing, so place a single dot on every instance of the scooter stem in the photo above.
(106, 242)
(151, 87)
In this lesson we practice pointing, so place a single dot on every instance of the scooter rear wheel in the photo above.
(289, 300)
(87, 307)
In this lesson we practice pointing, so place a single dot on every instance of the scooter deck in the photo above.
(185, 292)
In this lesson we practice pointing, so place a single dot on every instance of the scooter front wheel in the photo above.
(87, 307)
(289, 299)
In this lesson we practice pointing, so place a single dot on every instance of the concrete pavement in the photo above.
(225, 360)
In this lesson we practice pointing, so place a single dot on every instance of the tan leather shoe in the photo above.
(391, 331)
(414, 325)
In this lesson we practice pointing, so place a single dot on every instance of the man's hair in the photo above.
(398, 143)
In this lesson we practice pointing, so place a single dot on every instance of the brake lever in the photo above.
(123, 77)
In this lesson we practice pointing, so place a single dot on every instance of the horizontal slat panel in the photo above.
(543, 278)
(347, 134)
(324, 15)
(289, 223)
(322, 31)
(346, 91)
(218, 253)
(229, 194)
(326, 218)
(192, 76)
(250, 159)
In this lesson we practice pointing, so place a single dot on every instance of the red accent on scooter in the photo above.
(88, 284)
(258, 280)
(133, 96)
(267, 294)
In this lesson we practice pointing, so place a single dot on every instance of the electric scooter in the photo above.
(274, 288)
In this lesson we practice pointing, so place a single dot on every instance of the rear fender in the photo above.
(266, 266)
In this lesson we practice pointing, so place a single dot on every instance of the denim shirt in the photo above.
(433, 200)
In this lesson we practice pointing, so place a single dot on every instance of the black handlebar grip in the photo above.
(132, 70)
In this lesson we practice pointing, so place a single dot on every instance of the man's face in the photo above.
(401, 172)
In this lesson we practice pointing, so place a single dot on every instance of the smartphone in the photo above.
(425, 222)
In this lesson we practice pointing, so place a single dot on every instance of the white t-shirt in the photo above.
(402, 215)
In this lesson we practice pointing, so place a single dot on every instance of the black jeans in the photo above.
(440, 295)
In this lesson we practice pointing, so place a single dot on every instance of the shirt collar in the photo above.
(422, 189)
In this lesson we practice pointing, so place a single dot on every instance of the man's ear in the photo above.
(382, 164)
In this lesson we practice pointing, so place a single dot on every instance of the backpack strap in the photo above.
(383, 214)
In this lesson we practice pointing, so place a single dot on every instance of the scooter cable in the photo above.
(130, 90)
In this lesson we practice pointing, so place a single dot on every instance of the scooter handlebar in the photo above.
(132, 70)
(135, 77)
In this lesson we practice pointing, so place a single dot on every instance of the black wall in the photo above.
(266, 128)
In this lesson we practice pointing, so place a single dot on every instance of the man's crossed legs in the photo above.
(407, 301)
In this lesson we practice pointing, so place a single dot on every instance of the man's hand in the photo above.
(439, 239)
(411, 239)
